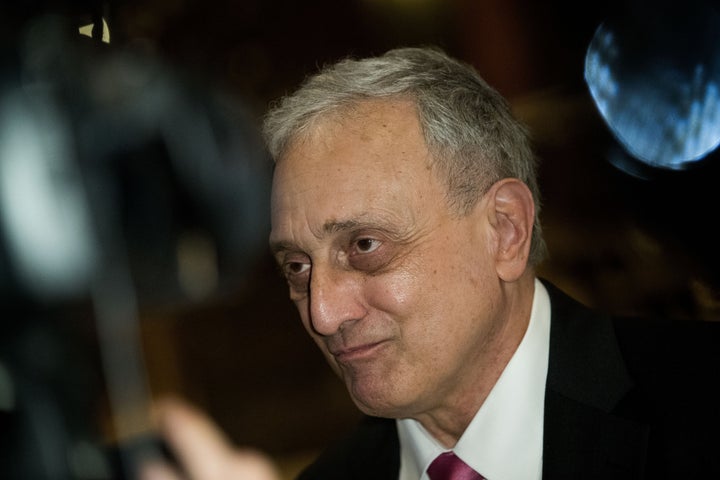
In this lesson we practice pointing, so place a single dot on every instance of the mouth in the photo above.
(357, 353)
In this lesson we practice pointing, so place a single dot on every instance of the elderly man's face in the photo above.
(400, 295)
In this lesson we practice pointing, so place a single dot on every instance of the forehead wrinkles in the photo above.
(399, 226)
(352, 171)
(396, 226)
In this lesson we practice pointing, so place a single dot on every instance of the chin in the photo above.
(377, 402)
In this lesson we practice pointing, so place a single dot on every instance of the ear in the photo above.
(511, 214)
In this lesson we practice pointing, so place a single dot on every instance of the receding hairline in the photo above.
(311, 125)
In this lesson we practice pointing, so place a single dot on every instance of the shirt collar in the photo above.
(504, 439)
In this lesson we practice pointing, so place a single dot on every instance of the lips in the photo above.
(356, 353)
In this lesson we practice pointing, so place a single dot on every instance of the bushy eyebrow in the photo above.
(329, 227)
(332, 227)
(342, 226)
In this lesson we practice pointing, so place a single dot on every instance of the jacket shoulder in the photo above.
(652, 376)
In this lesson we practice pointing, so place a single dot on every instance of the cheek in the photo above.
(395, 293)
(413, 286)
(413, 304)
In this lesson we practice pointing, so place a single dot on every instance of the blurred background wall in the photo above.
(625, 243)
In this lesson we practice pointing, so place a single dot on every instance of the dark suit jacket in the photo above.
(626, 398)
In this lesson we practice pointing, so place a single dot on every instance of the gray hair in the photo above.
(468, 126)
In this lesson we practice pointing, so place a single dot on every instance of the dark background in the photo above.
(618, 242)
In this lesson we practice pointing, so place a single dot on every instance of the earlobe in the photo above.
(512, 215)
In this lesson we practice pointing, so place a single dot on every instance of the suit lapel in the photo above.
(587, 379)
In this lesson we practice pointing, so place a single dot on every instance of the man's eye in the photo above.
(297, 275)
(367, 245)
(296, 268)
(369, 254)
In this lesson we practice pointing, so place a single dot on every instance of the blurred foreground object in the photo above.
(205, 452)
(122, 183)
(654, 74)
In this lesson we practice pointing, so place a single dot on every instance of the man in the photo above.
(405, 217)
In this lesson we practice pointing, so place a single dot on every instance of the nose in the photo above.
(335, 298)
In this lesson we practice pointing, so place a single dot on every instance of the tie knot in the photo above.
(447, 466)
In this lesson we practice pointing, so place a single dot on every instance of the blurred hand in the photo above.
(202, 450)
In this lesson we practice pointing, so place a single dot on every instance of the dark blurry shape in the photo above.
(124, 183)
(654, 74)
(99, 140)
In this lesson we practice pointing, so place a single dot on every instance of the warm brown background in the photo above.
(617, 242)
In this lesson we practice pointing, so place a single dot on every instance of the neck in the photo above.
(447, 422)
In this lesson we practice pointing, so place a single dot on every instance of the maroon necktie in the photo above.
(447, 466)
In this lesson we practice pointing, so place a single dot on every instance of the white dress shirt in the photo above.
(504, 440)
